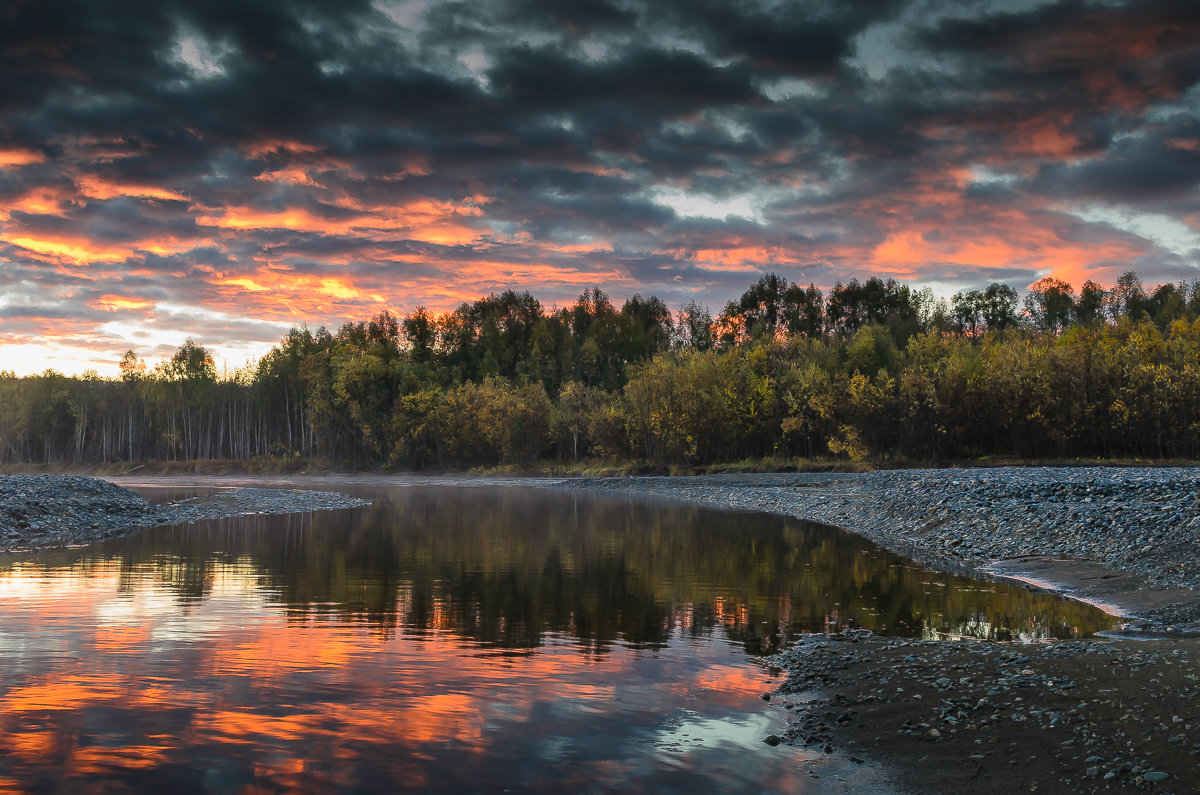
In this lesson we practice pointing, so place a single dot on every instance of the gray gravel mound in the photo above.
(41, 511)
(971, 716)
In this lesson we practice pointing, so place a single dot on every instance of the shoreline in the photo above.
(573, 470)
(1099, 714)
(1120, 538)
(1095, 715)
(1123, 538)
(1111, 713)
(40, 512)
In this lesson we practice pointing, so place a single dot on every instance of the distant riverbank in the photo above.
(584, 467)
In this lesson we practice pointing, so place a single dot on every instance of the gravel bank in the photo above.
(41, 511)
(1080, 716)
(1128, 537)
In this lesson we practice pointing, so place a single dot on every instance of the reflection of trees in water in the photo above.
(506, 566)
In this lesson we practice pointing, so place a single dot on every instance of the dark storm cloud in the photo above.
(304, 160)
(786, 38)
(1144, 170)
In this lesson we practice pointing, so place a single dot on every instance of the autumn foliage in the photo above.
(868, 371)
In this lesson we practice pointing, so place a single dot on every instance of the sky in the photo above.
(224, 170)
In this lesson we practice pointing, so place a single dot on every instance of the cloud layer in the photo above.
(224, 170)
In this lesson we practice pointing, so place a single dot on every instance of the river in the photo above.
(451, 637)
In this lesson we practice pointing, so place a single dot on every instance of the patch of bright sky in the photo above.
(788, 88)
(171, 332)
(694, 205)
(407, 14)
(735, 128)
(200, 313)
(594, 49)
(878, 50)
(882, 48)
(986, 175)
(561, 120)
(1166, 232)
(200, 56)
(35, 358)
(476, 63)
(683, 42)
(1184, 108)
(143, 340)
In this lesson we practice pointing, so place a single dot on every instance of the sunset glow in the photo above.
(423, 158)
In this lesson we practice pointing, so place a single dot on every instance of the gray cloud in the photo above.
(339, 156)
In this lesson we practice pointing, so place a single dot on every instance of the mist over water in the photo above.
(449, 638)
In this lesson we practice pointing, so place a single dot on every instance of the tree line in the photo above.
(866, 370)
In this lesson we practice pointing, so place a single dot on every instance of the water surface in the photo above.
(449, 638)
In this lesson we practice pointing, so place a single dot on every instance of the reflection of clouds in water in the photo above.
(512, 567)
(288, 701)
(691, 732)
(476, 631)
(20, 582)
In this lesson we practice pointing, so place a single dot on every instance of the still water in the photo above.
(449, 638)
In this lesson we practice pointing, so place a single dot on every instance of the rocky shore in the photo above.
(950, 716)
(42, 511)
(1127, 538)
(1097, 715)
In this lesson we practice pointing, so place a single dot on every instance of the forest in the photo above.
(871, 372)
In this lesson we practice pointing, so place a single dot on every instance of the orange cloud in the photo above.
(76, 250)
(247, 218)
(245, 283)
(1023, 244)
(94, 187)
(84, 251)
(14, 158)
(1045, 137)
(288, 293)
(279, 147)
(38, 201)
(116, 303)
(421, 220)
(291, 176)
(735, 257)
